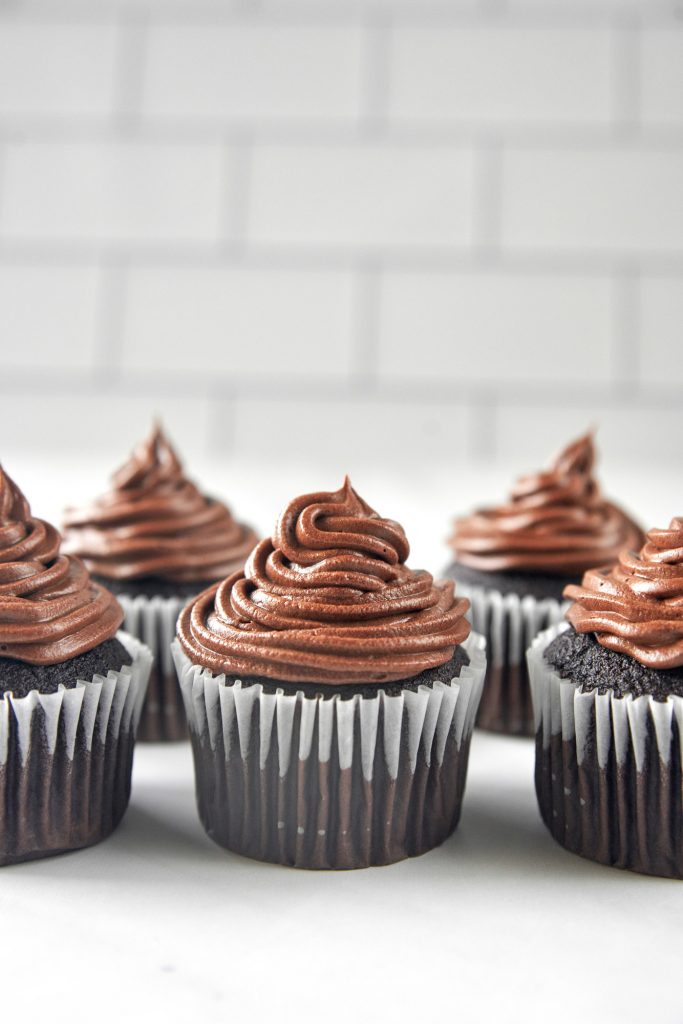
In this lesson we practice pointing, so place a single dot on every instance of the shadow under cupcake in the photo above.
(71, 691)
(513, 562)
(155, 541)
(608, 700)
(331, 693)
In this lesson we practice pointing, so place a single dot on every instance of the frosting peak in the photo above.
(153, 462)
(637, 607)
(555, 521)
(50, 609)
(155, 522)
(328, 599)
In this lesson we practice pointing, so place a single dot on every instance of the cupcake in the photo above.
(514, 561)
(155, 540)
(71, 692)
(608, 702)
(331, 694)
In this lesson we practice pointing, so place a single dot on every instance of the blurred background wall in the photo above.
(415, 229)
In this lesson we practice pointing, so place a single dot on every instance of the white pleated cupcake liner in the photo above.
(608, 769)
(153, 620)
(326, 781)
(66, 760)
(509, 623)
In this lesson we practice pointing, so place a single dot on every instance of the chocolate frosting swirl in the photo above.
(554, 522)
(155, 522)
(328, 599)
(50, 609)
(637, 606)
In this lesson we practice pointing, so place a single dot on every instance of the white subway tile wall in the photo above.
(250, 72)
(107, 192)
(491, 76)
(57, 70)
(619, 201)
(509, 318)
(661, 63)
(661, 351)
(229, 321)
(48, 317)
(362, 197)
(398, 230)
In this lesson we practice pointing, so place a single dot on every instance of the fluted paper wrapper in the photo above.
(153, 620)
(509, 623)
(608, 770)
(318, 782)
(66, 760)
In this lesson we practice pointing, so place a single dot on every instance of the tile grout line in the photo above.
(437, 135)
(221, 410)
(442, 14)
(421, 259)
(238, 164)
(250, 387)
(114, 280)
(375, 72)
(483, 426)
(487, 207)
(364, 368)
(495, 9)
(3, 163)
(626, 42)
(130, 70)
(625, 346)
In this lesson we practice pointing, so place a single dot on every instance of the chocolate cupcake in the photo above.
(608, 702)
(71, 691)
(514, 561)
(331, 694)
(155, 540)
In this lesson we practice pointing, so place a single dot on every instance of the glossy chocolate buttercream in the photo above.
(156, 523)
(329, 599)
(555, 522)
(636, 608)
(50, 609)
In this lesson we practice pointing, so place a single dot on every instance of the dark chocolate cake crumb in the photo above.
(153, 586)
(20, 678)
(536, 584)
(445, 673)
(579, 657)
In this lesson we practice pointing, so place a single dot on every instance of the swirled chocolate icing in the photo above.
(636, 607)
(555, 521)
(156, 523)
(50, 609)
(328, 599)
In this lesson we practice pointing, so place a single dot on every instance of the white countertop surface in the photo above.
(498, 924)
